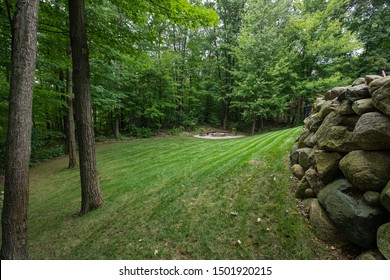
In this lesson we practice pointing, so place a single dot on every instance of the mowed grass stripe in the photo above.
(172, 198)
(242, 153)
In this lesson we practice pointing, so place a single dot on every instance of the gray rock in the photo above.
(372, 132)
(318, 103)
(358, 92)
(363, 106)
(370, 78)
(357, 220)
(303, 184)
(381, 98)
(310, 193)
(304, 134)
(370, 255)
(376, 84)
(385, 197)
(383, 240)
(359, 81)
(349, 121)
(342, 97)
(310, 141)
(372, 198)
(314, 180)
(327, 165)
(305, 158)
(298, 171)
(313, 122)
(345, 108)
(336, 138)
(332, 136)
(326, 108)
(334, 92)
(323, 227)
(367, 170)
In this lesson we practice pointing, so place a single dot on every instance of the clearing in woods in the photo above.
(176, 198)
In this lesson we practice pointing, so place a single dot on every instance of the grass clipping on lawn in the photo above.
(175, 198)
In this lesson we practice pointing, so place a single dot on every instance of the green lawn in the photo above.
(175, 198)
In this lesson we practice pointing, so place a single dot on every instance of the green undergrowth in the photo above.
(175, 198)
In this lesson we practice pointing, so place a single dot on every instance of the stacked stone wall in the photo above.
(342, 164)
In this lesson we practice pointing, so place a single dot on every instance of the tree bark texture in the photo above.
(16, 188)
(91, 197)
(71, 136)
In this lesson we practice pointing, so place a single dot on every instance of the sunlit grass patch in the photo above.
(175, 198)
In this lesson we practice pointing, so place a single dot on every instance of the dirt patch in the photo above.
(218, 135)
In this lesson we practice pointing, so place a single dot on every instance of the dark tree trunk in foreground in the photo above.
(71, 136)
(91, 197)
(24, 47)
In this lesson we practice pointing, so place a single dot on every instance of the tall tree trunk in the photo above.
(299, 110)
(117, 130)
(91, 197)
(71, 135)
(15, 206)
(226, 107)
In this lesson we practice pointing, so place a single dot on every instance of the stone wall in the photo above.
(342, 164)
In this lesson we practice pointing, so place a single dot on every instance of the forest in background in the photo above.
(234, 64)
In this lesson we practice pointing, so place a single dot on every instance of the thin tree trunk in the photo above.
(117, 123)
(253, 126)
(299, 109)
(71, 139)
(226, 105)
(16, 189)
(91, 197)
(261, 124)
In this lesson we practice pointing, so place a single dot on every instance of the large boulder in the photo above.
(385, 197)
(327, 164)
(370, 78)
(323, 227)
(313, 122)
(357, 220)
(310, 141)
(334, 136)
(367, 170)
(345, 108)
(383, 237)
(372, 132)
(358, 92)
(377, 83)
(302, 137)
(381, 98)
(359, 81)
(334, 92)
(326, 108)
(363, 106)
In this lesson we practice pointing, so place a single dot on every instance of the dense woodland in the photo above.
(144, 66)
(233, 64)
